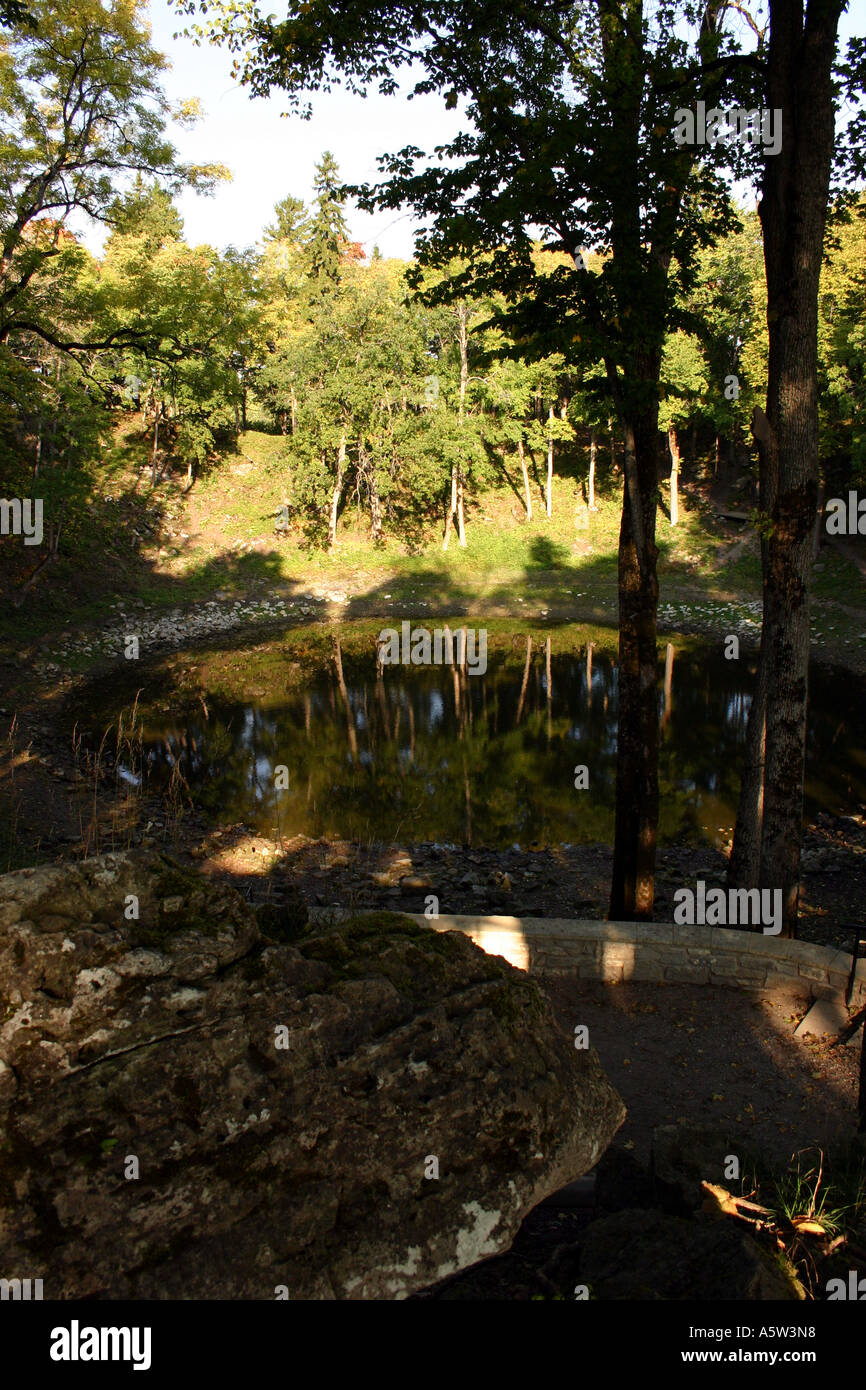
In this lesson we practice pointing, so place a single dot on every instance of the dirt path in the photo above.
(715, 1056)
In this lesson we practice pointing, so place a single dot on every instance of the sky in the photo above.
(271, 155)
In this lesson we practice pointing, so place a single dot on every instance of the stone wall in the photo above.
(660, 951)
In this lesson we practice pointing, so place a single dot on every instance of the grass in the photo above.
(817, 1206)
(835, 1199)
(163, 548)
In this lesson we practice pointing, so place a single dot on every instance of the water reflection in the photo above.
(434, 753)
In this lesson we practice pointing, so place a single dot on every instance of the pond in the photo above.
(309, 733)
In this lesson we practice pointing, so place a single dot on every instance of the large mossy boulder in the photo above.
(191, 1109)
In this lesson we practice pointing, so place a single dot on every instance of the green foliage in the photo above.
(328, 227)
(842, 353)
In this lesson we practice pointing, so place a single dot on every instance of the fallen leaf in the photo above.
(805, 1226)
(718, 1201)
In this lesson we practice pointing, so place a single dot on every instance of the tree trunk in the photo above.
(548, 491)
(452, 509)
(375, 503)
(461, 521)
(793, 206)
(463, 337)
(819, 518)
(338, 490)
(525, 472)
(153, 457)
(591, 489)
(637, 793)
(673, 445)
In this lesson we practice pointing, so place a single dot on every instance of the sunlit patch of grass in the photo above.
(835, 1199)
(817, 1206)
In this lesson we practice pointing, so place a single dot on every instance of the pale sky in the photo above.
(270, 156)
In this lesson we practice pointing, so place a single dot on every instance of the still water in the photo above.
(303, 735)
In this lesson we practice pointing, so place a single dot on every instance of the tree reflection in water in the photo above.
(435, 753)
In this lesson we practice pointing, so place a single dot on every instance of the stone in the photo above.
(814, 861)
(284, 920)
(648, 1255)
(415, 883)
(684, 1156)
(825, 1016)
(305, 1164)
(621, 1182)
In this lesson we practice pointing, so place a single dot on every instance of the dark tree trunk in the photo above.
(637, 792)
(793, 208)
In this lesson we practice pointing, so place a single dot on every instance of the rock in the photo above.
(813, 861)
(621, 1182)
(415, 883)
(649, 1255)
(307, 1165)
(284, 920)
(684, 1156)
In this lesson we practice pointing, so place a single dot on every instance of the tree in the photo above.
(13, 13)
(81, 109)
(795, 188)
(842, 355)
(290, 223)
(572, 112)
(328, 229)
(728, 309)
(349, 366)
(146, 210)
(511, 388)
(684, 384)
(189, 313)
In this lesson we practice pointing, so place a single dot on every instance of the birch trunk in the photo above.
(548, 491)
(338, 490)
(673, 445)
(525, 473)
